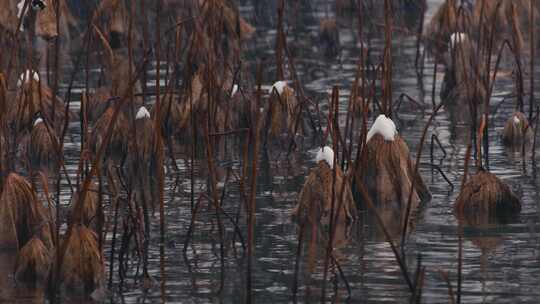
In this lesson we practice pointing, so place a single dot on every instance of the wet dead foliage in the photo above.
(176, 110)
(231, 19)
(243, 110)
(517, 130)
(174, 115)
(463, 88)
(143, 147)
(117, 146)
(33, 262)
(118, 76)
(215, 30)
(96, 103)
(82, 266)
(8, 16)
(116, 21)
(90, 205)
(45, 25)
(120, 73)
(388, 177)
(484, 197)
(225, 113)
(284, 113)
(142, 160)
(23, 216)
(446, 21)
(462, 100)
(233, 24)
(41, 149)
(462, 61)
(315, 199)
(314, 208)
(32, 98)
(511, 19)
(44, 21)
(222, 10)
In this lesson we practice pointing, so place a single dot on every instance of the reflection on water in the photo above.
(500, 263)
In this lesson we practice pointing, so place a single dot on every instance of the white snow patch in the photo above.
(456, 38)
(279, 86)
(142, 113)
(516, 120)
(26, 77)
(20, 7)
(38, 121)
(384, 126)
(234, 90)
(327, 154)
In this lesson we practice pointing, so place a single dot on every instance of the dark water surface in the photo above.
(500, 262)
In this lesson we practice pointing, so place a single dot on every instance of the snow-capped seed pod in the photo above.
(325, 154)
(383, 126)
(517, 130)
(38, 121)
(278, 86)
(142, 159)
(142, 113)
(285, 111)
(234, 90)
(389, 171)
(27, 77)
(315, 200)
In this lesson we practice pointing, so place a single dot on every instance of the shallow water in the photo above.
(500, 263)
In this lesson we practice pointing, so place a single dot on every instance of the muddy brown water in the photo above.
(500, 262)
